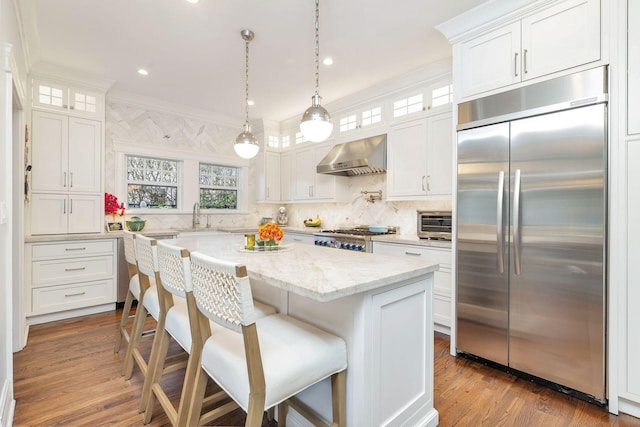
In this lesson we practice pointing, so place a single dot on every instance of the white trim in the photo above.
(629, 407)
(7, 404)
(68, 314)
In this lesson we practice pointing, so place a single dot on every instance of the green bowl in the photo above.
(135, 224)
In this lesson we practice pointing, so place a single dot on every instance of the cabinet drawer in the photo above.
(74, 270)
(441, 256)
(60, 298)
(72, 249)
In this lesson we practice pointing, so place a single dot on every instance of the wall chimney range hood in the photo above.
(361, 157)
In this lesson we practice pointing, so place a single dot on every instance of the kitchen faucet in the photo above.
(196, 215)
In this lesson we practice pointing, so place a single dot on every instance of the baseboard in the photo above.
(442, 329)
(7, 404)
(629, 407)
(52, 317)
(294, 419)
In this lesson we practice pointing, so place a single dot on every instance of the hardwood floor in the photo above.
(68, 375)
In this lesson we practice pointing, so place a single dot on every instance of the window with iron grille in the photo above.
(218, 186)
(152, 183)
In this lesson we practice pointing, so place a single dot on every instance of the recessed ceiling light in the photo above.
(143, 72)
(250, 102)
(327, 61)
(193, 1)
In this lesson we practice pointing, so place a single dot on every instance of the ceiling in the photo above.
(195, 55)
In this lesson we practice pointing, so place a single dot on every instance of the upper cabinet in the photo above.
(67, 154)
(419, 158)
(269, 176)
(307, 184)
(51, 95)
(633, 68)
(554, 39)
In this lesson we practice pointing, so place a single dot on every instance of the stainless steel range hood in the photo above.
(361, 157)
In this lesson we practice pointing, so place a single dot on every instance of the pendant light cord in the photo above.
(246, 84)
(317, 46)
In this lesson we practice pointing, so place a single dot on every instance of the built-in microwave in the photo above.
(434, 225)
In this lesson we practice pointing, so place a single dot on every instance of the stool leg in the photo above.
(339, 398)
(126, 311)
(136, 334)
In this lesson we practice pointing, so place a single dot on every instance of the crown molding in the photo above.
(70, 76)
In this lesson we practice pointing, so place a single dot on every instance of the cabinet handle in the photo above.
(525, 61)
(297, 240)
(422, 181)
(71, 206)
(413, 253)
(74, 249)
(64, 206)
(311, 191)
(515, 64)
(267, 192)
(64, 179)
(75, 269)
(71, 107)
(70, 179)
(74, 295)
(428, 182)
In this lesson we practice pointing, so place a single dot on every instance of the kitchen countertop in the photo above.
(93, 236)
(311, 271)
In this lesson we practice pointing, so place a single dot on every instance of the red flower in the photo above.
(111, 206)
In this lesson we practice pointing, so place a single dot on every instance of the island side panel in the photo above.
(380, 328)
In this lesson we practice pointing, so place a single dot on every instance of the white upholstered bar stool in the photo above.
(181, 324)
(149, 302)
(133, 291)
(263, 362)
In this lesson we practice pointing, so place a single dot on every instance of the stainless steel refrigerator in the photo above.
(531, 230)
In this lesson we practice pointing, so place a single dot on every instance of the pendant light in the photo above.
(246, 145)
(316, 122)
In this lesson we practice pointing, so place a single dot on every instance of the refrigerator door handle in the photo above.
(499, 223)
(516, 223)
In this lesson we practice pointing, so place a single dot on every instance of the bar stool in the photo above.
(149, 302)
(133, 292)
(260, 363)
(178, 321)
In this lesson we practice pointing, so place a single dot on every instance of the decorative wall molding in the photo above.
(7, 404)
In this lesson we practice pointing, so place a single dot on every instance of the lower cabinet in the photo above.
(66, 213)
(292, 236)
(69, 278)
(441, 278)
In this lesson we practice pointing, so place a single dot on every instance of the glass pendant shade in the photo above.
(316, 124)
(246, 145)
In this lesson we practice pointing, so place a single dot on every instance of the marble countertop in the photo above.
(318, 273)
(93, 236)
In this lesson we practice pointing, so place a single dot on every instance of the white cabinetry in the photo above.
(61, 214)
(419, 158)
(298, 237)
(285, 176)
(269, 177)
(307, 183)
(71, 278)
(66, 153)
(53, 95)
(441, 278)
(633, 68)
(557, 38)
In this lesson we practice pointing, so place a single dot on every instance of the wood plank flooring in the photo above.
(68, 375)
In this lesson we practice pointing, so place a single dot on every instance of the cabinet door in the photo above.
(50, 155)
(49, 213)
(633, 68)
(272, 176)
(285, 176)
(561, 37)
(304, 170)
(439, 137)
(85, 155)
(86, 103)
(85, 214)
(50, 95)
(633, 255)
(323, 184)
(407, 159)
(491, 61)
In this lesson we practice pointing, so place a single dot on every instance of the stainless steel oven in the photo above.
(434, 225)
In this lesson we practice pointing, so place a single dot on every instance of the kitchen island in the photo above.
(380, 305)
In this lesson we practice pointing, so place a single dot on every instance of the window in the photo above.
(348, 123)
(152, 183)
(273, 141)
(285, 141)
(442, 96)
(372, 116)
(85, 103)
(50, 95)
(218, 186)
(408, 105)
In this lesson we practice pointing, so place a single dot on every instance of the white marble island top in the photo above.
(319, 273)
